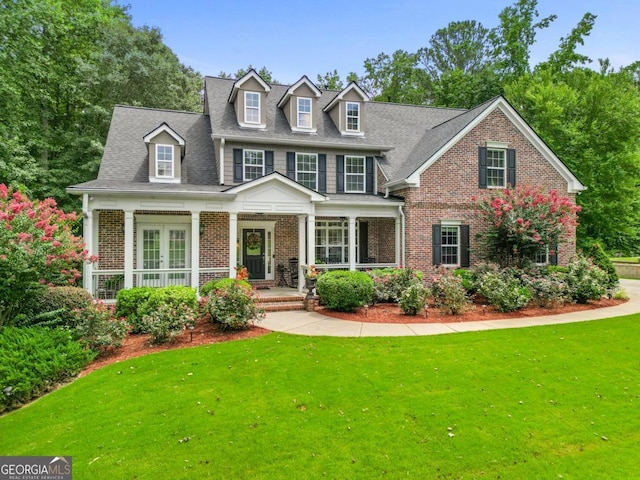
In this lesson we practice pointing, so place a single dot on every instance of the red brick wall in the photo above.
(111, 239)
(448, 185)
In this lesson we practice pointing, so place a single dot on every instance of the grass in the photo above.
(548, 402)
(625, 259)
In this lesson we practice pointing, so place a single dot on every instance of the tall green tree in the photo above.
(264, 72)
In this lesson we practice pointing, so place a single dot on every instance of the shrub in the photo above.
(585, 280)
(448, 291)
(233, 306)
(53, 307)
(168, 321)
(99, 329)
(345, 291)
(602, 260)
(129, 302)
(413, 299)
(548, 291)
(34, 361)
(211, 285)
(469, 279)
(503, 291)
(37, 246)
(389, 283)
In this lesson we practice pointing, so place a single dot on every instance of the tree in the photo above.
(522, 220)
(266, 74)
(395, 78)
(37, 248)
(330, 81)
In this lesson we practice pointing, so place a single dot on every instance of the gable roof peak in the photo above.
(353, 86)
(290, 91)
(164, 127)
(251, 74)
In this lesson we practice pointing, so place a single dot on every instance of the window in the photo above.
(306, 170)
(541, 257)
(353, 117)
(450, 242)
(332, 242)
(354, 174)
(253, 164)
(304, 112)
(496, 168)
(251, 107)
(164, 161)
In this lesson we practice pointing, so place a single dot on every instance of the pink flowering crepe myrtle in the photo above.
(37, 247)
(524, 219)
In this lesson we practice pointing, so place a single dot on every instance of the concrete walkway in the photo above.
(315, 324)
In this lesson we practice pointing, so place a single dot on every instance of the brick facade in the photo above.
(447, 188)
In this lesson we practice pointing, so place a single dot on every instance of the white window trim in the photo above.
(248, 123)
(165, 178)
(546, 262)
(344, 246)
(316, 171)
(455, 225)
(244, 164)
(310, 113)
(364, 174)
(504, 168)
(347, 116)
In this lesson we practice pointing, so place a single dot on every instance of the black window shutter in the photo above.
(268, 162)
(340, 173)
(322, 172)
(511, 167)
(436, 235)
(464, 245)
(363, 247)
(482, 167)
(291, 165)
(237, 165)
(369, 174)
(553, 254)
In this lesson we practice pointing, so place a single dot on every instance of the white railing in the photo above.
(105, 284)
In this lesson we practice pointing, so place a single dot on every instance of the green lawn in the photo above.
(543, 403)
(625, 259)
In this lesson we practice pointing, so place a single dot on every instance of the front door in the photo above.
(253, 254)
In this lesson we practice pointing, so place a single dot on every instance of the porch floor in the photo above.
(272, 292)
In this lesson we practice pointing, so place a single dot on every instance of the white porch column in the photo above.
(398, 232)
(128, 249)
(311, 239)
(352, 243)
(301, 251)
(233, 240)
(195, 249)
(87, 232)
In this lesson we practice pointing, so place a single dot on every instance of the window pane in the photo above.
(353, 116)
(177, 249)
(354, 174)
(304, 112)
(306, 168)
(164, 160)
(450, 245)
(252, 107)
(332, 242)
(496, 168)
(253, 164)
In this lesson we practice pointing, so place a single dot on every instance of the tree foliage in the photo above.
(63, 66)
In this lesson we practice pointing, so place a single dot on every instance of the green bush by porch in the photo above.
(344, 291)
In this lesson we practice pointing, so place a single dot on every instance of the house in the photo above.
(279, 177)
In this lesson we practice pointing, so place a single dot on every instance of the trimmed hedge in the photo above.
(34, 361)
(344, 291)
(129, 302)
(53, 307)
(222, 283)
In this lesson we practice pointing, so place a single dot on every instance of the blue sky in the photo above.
(308, 38)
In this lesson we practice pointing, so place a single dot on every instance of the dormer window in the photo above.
(353, 117)
(304, 112)
(166, 150)
(252, 107)
(164, 161)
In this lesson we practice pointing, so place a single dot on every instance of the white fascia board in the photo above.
(290, 91)
(148, 192)
(303, 142)
(278, 178)
(250, 74)
(340, 96)
(164, 128)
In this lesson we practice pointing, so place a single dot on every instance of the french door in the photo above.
(163, 248)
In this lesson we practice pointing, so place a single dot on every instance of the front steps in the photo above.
(282, 304)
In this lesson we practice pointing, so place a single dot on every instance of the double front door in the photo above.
(163, 247)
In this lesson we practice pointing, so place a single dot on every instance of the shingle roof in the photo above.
(398, 126)
(125, 161)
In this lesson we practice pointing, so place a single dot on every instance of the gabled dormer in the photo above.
(166, 150)
(249, 97)
(299, 105)
(347, 112)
